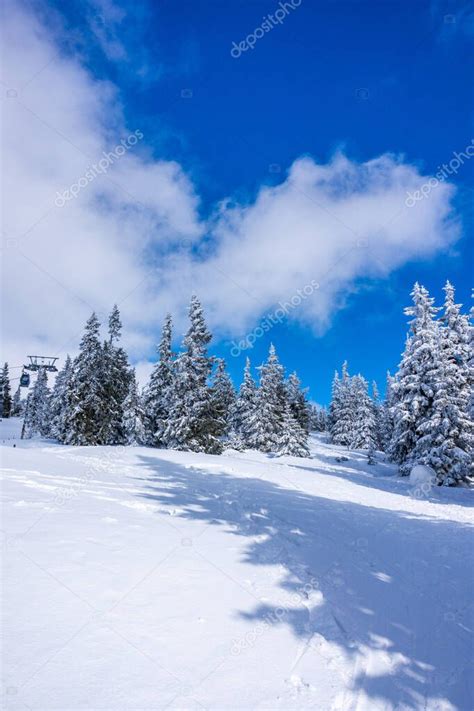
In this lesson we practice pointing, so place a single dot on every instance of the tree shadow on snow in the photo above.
(372, 590)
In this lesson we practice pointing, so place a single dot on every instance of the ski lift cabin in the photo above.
(24, 380)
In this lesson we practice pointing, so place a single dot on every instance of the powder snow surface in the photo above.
(136, 578)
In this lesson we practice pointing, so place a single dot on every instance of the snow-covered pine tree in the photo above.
(37, 412)
(223, 398)
(192, 424)
(446, 439)
(158, 394)
(363, 425)
(116, 381)
(298, 404)
(319, 419)
(342, 411)
(292, 439)
(88, 389)
(471, 357)
(61, 402)
(378, 416)
(6, 398)
(418, 376)
(133, 414)
(17, 404)
(243, 421)
(386, 413)
(271, 402)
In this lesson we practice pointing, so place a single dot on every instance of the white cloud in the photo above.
(126, 236)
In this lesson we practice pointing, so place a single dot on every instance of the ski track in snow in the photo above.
(147, 579)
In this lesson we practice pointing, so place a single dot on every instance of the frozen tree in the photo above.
(222, 397)
(88, 389)
(379, 410)
(319, 419)
(158, 393)
(17, 404)
(115, 383)
(446, 438)
(244, 413)
(270, 404)
(342, 413)
(415, 385)
(363, 427)
(5, 393)
(386, 415)
(133, 414)
(297, 400)
(61, 403)
(292, 438)
(37, 412)
(192, 424)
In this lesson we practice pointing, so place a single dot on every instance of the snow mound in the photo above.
(421, 474)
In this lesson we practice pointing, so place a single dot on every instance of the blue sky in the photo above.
(364, 78)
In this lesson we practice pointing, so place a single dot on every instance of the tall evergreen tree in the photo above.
(319, 419)
(293, 438)
(364, 434)
(37, 413)
(386, 414)
(62, 402)
(271, 402)
(222, 397)
(6, 398)
(116, 381)
(417, 379)
(17, 404)
(88, 389)
(342, 414)
(297, 400)
(192, 424)
(158, 394)
(133, 414)
(446, 439)
(244, 414)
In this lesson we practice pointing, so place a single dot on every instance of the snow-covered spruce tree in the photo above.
(446, 439)
(271, 402)
(116, 381)
(6, 398)
(415, 384)
(319, 419)
(378, 407)
(88, 389)
(222, 398)
(133, 414)
(158, 393)
(192, 424)
(386, 414)
(244, 414)
(342, 412)
(292, 439)
(471, 358)
(61, 402)
(37, 412)
(363, 426)
(17, 404)
(298, 404)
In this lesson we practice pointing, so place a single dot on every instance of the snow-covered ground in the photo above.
(136, 578)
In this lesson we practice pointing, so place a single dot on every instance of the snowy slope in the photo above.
(147, 579)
